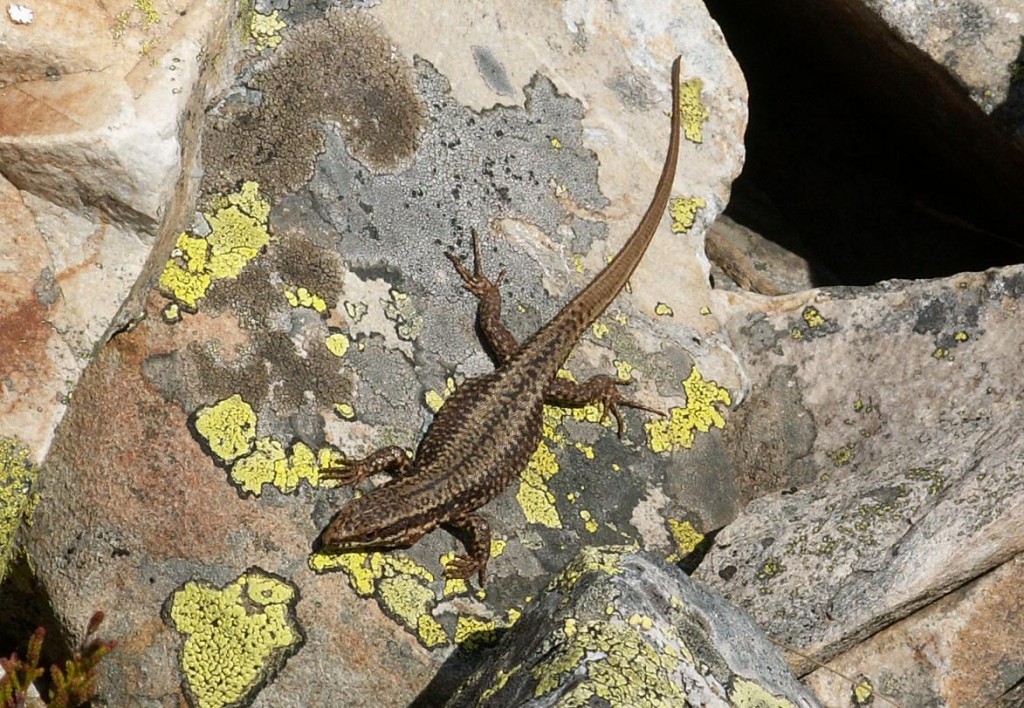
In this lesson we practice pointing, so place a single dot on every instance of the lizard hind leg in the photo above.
(497, 337)
(475, 535)
(602, 389)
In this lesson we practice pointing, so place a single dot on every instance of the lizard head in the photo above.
(356, 529)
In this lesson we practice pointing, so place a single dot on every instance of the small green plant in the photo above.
(71, 686)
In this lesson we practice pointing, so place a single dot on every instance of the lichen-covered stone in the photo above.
(619, 628)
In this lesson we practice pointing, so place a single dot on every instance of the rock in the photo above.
(753, 263)
(955, 651)
(619, 628)
(316, 314)
(913, 391)
(97, 126)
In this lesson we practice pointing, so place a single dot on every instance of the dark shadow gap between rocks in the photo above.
(859, 184)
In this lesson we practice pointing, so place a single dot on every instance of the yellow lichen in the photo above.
(813, 317)
(473, 633)
(436, 399)
(692, 111)
(841, 456)
(588, 521)
(556, 143)
(235, 637)
(770, 568)
(699, 415)
(863, 692)
(604, 559)
(359, 568)
(302, 297)
(610, 664)
(623, 370)
(171, 313)
(228, 427)
(744, 693)
(265, 30)
(684, 212)
(345, 411)
(400, 585)
(337, 344)
(663, 310)
(685, 536)
(500, 679)
(406, 598)
(17, 475)
(270, 463)
(534, 497)
(238, 232)
(402, 311)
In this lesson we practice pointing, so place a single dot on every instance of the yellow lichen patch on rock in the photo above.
(435, 399)
(265, 30)
(693, 114)
(473, 633)
(534, 497)
(337, 344)
(270, 463)
(236, 638)
(604, 559)
(408, 599)
(699, 415)
(684, 212)
(228, 428)
(400, 585)
(812, 317)
(685, 537)
(747, 694)
(17, 474)
(238, 232)
(302, 297)
(611, 664)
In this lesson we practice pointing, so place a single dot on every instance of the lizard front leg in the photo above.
(488, 314)
(475, 534)
(392, 459)
(600, 389)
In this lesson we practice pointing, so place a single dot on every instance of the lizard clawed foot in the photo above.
(393, 460)
(610, 399)
(345, 473)
(463, 567)
(475, 282)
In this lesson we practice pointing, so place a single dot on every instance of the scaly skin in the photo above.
(484, 434)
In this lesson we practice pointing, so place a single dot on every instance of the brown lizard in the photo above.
(484, 434)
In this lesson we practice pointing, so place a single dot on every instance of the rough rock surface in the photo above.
(912, 391)
(97, 153)
(620, 628)
(309, 311)
(962, 649)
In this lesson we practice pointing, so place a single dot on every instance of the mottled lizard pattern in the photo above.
(485, 433)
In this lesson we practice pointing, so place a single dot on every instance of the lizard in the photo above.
(484, 434)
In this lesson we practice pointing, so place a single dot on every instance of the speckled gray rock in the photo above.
(913, 392)
(619, 628)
